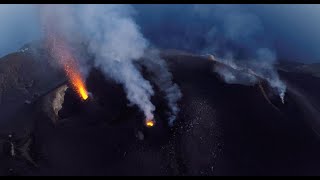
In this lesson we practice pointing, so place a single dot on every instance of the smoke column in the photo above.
(116, 43)
(163, 79)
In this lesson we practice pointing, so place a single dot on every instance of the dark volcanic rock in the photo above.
(222, 129)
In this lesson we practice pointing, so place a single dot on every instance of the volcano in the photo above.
(222, 129)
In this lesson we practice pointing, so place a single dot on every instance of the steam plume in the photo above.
(243, 45)
(163, 79)
(106, 42)
(244, 74)
(116, 43)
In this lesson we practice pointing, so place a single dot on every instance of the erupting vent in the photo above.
(65, 58)
(77, 82)
(150, 123)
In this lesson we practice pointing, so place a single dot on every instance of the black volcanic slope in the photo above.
(222, 129)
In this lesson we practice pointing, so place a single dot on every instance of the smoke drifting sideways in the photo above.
(116, 43)
(244, 74)
(231, 33)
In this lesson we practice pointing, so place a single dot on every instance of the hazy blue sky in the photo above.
(292, 30)
(295, 28)
(19, 25)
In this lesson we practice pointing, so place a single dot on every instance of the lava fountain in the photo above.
(76, 80)
(55, 42)
(63, 54)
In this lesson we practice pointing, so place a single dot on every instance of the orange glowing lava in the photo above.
(76, 81)
(150, 123)
(65, 58)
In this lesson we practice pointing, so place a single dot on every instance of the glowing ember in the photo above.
(150, 123)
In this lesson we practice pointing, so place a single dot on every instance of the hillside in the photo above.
(222, 129)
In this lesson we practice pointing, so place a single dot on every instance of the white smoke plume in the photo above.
(249, 72)
(114, 40)
(116, 43)
(243, 47)
(163, 79)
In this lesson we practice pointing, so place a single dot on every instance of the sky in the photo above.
(19, 25)
(295, 28)
(292, 31)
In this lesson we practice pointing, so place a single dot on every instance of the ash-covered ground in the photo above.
(222, 129)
